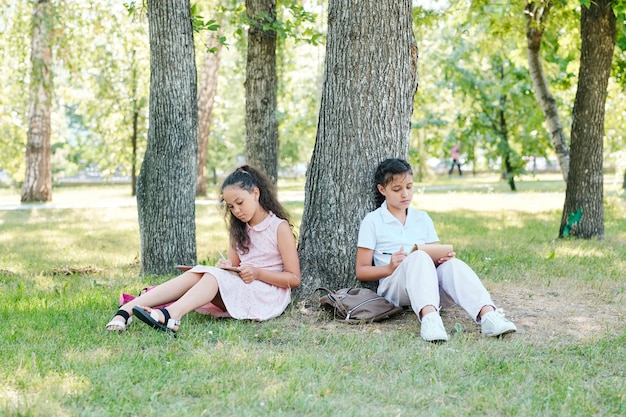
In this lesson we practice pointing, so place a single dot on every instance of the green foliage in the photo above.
(298, 23)
(293, 20)
(298, 87)
(200, 25)
(482, 95)
(473, 69)
(15, 26)
(101, 71)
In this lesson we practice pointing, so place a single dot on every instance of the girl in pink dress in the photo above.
(262, 264)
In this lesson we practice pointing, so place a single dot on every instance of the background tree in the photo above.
(429, 121)
(583, 211)
(299, 65)
(37, 185)
(15, 63)
(495, 109)
(475, 89)
(616, 137)
(167, 181)
(370, 79)
(107, 104)
(99, 115)
(206, 98)
(261, 84)
(137, 104)
(536, 14)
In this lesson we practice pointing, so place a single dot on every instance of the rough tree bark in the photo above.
(37, 184)
(583, 211)
(206, 98)
(536, 15)
(370, 80)
(166, 186)
(261, 83)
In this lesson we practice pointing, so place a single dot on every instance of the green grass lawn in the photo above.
(62, 270)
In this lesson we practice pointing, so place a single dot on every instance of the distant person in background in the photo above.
(456, 159)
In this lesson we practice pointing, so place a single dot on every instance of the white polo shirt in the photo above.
(383, 233)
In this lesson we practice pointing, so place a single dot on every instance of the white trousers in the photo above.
(416, 282)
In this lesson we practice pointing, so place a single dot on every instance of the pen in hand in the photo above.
(224, 261)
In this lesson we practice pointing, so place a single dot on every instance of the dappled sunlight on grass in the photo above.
(211, 236)
(62, 270)
(46, 239)
(45, 283)
(584, 252)
(93, 356)
(524, 202)
(42, 395)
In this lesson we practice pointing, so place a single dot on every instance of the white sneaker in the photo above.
(494, 324)
(432, 328)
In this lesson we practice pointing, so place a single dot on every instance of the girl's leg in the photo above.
(460, 285)
(161, 294)
(413, 283)
(202, 292)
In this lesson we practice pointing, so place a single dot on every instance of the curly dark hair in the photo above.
(247, 178)
(384, 174)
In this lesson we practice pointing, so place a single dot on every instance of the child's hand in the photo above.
(446, 258)
(397, 258)
(221, 263)
(248, 274)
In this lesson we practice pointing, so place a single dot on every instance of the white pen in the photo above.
(222, 255)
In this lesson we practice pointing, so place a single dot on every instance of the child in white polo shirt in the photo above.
(386, 236)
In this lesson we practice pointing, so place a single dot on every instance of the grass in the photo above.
(62, 270)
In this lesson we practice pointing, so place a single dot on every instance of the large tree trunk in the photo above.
(37, 184)
(206, 98)
(583, 212)
(166, 186)
(370, 80)
(261, 84)
(536, 16)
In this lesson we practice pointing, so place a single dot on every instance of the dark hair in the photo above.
(247, 178)
(384, 174)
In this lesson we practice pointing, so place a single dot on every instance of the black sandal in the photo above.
(119, 325)
(152, 319)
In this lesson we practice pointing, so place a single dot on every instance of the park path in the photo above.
(12, 202)
(430, 199)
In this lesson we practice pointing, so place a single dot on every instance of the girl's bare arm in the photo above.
(290, 277)
(365, 271)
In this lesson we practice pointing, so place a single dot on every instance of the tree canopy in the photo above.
(475, 85)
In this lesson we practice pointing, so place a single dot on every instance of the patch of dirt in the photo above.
(542, 315)
(563, 314)
(72, 270)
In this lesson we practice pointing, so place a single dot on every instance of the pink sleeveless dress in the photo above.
(257, 300)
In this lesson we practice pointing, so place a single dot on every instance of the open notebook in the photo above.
(184, 268)
(435, 250)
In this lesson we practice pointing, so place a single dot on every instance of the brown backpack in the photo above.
(357, 305)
